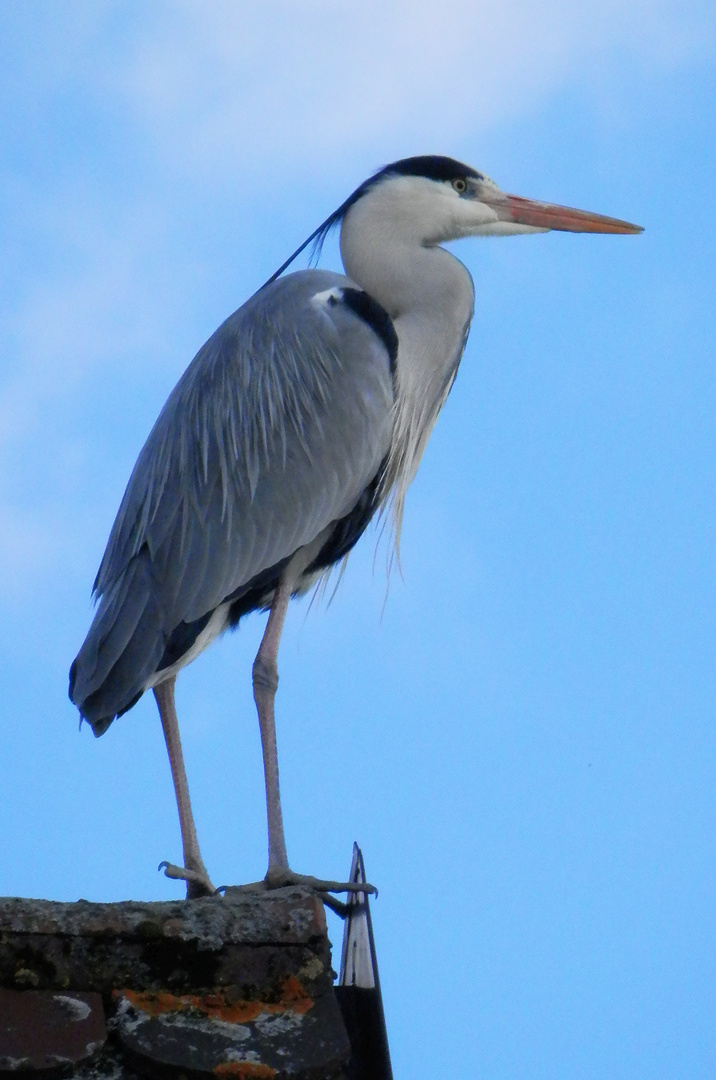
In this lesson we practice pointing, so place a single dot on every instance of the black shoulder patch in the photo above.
(377, 318)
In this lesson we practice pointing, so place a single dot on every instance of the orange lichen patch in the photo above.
(214, 1006)
(293, 998)
(217, 1006)
(245, 1070)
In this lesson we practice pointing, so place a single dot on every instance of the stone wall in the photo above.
(234, 986)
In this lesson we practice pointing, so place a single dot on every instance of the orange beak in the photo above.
(549, 216)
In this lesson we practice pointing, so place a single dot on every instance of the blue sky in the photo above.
(521, 736)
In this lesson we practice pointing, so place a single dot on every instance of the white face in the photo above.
(481, 209)
(417, 210)
(431, 212)
(475, 206)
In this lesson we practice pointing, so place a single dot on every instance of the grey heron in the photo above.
(303, 415)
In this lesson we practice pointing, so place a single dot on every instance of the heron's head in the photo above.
(432, 199)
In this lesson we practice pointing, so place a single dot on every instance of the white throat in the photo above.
(428, 294)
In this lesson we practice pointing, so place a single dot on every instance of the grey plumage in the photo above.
(276, 428)
(306, 412)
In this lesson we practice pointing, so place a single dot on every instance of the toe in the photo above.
(197, 883)
(278, 878)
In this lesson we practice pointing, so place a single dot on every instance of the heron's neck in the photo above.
(429, 296)
(387, 258)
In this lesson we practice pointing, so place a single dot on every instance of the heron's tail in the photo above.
(122, 649)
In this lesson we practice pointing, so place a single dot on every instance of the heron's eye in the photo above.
(460, 185)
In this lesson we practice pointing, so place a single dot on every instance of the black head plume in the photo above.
(431, 166)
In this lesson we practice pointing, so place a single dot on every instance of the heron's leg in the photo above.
(193, 871)
(265, 682)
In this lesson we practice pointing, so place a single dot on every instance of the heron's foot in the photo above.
(197, 881)
(279, 878)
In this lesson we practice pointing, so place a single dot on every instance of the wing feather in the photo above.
(274, 431)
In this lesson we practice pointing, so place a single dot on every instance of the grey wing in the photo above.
(274, 431)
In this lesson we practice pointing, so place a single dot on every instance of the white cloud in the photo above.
(65, 323)
(67, 317)
(212, 94)
(222, 84)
